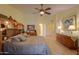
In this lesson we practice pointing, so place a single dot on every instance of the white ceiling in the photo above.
(29, 8)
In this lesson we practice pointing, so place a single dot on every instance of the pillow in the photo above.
(18, 38)
(15, 39)
(21, 37)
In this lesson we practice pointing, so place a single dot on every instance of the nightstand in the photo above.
(77, 45)
(0, 44)
(78, 51)
(2, 41)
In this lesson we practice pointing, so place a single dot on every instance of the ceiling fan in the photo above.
(43, 10)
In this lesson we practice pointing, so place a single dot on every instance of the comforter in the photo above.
(35, 45)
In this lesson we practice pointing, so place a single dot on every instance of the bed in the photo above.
(33, 45)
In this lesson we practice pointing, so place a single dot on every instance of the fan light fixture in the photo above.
(43, 10)
(42, 13)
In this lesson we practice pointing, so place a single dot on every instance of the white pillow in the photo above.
(15, 39)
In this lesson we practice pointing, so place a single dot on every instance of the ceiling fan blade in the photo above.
(48, 13)
(37, 8)
(48, 9)
(35, 12)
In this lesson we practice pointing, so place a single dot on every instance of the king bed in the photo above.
(26, 45)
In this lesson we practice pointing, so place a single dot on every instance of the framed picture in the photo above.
(69, 23)
(30, 27)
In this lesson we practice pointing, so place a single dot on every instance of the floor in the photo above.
(57, 48)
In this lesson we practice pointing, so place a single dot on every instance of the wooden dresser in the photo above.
(66, 41)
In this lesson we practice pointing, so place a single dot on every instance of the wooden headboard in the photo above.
(12, 32)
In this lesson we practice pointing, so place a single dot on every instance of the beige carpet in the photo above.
(57, 48)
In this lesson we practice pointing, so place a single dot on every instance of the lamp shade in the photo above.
(71, 27)
(59, 27)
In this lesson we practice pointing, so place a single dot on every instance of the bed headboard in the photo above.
(12, 32)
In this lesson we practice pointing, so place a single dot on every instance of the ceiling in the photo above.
(29, 8)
